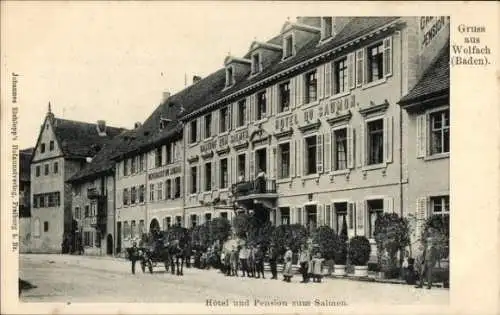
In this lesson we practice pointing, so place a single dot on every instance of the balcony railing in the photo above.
(254, 187)
(93, 193)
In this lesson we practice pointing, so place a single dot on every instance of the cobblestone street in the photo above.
(64, 278)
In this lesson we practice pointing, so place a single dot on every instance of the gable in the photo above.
(46, 138)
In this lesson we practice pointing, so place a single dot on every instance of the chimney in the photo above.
(166, 95)
(101, 128)
(137, 124)
(196, 79)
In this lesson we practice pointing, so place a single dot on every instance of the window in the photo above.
(56, 167)
(285, 216)
(158, 156)
(340, 215)
(45, 226)
(311, 217)
(311, 87)
(151, 192)
(87, 211)
(178, 220)
(288, 52)
(375, 208)
(261, 105)
(132, 165)
(256, 65)
(98, 239)
(159, 191)
(208, 217)
(194, 180)
(51, 145)
(208, 125)
(141, 193)
(42, 148)
(168, 189)
(87, 238)
(440, 205)
(126, 230)
(229, 76)
(284, 95)
(167, 223)
(341, 82)
(340, 149)
(284, 160)
(42, 200)
(224, 119)
(36, 228)
(223, 214)
(310, 155)
(133, 229)
(193, 127)
(141, 162)
(125, 167)
(223, 173)
(327, 24)
(46, 167)
(133, 195)
(375, 62)
(78, 213)
(375, 141)
(440, 132)
(37, 171)
(194, 220)
(241, 165)
(141, 228)
(177, 191)
(93, 209)
(208, 176)
(125, 197)
(242, 112)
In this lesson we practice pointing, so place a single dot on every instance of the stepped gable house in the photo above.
(62, 149)
(24, 199)
(314, 109)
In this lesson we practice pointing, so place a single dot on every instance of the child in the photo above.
(317, 267)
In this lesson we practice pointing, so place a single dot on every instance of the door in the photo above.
(261, 159)
(109, 245)
(311, 217)
(118, 237)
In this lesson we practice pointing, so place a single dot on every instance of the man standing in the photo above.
(134, 255)
(429, 259)
(287, 271)
(234, 262)
(259, 262)
(273, 258)
(251, 261)
(244, 260)
(304, 263)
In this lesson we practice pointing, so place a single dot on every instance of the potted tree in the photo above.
(340, 251)
(359, 254)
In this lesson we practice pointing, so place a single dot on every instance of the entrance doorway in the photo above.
(154, 226)
(311, 217)
(118, 237)
(261, 160)
(109, 245)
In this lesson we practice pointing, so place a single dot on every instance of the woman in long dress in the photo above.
(287, 271)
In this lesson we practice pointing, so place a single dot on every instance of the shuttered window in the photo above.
(375, 208)
(341, 83)
(208, 176)
(310, 155)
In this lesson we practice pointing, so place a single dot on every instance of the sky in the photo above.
(110, 61)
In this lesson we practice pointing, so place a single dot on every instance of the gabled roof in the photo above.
(80, 139)
(353, 29)
(24, 164)
(435, 80)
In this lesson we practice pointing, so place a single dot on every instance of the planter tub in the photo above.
(339, 270)
(361, 271)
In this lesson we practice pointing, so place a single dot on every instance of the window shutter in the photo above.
(229, 122)
(276, 99)
(388, 139)
(388, 205)
(327, 152)
(351, 215)
(230, 165)
(299, 157)
(360, 69)
(198, 178)
(421, 216)
(299, 87)
(350, 147)
(321, 214)
(319, 153)
(215, 123)
(351, 70)
(235, 170)
(216, 173)
(360, 149)
(321, 82)
(198, 129)
(328, 79)
(360, 218)
(421, 136)
(273, 161)
(251, 174)
(214, 169)
(278, 217)
(248, 103)
(202, 127)
(388, 56)
(292, 159)
(293, 92)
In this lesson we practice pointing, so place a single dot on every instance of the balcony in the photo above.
(93, 193)
(255, 189)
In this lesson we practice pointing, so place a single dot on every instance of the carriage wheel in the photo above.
(150, 266)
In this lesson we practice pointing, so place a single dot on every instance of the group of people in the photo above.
(247, 259)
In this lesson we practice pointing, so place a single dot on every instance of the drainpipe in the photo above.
(401, 203)
(114, 213)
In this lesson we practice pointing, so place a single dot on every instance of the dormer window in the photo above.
(288, 47)
(256, 63)
(229, 76)
(326, 27)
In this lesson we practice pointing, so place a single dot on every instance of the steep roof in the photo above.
(80, 139)
(24, 164)
(435, 80)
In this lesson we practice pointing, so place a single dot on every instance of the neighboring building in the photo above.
(62, 148)
(315, 109)
(428, 130)
(93, 201)
(24, 200)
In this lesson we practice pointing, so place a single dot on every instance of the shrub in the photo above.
(243, 224)
(359, 250)
(441, 234)
(260, 234)
(294, 236)
(200, 236)
(325, 238)
(392, 235)
(220, 229)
